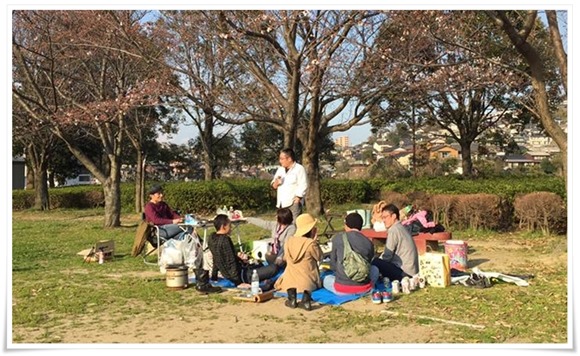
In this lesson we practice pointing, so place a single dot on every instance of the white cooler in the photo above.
(260, 248)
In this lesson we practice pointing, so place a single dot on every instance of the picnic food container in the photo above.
(457, 252)
(176, 277)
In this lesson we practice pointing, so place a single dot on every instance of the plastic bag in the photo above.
(192, 251)
(171, 253)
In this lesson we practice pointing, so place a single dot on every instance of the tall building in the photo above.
(342, 141)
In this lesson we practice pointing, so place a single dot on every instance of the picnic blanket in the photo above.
(226, 283)
(324, 296)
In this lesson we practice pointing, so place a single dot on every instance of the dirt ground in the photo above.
(228, 323)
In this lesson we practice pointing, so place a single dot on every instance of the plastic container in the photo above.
(405, 285)
(176, 277)
(457, 252)
(255, 289)
(396, 286)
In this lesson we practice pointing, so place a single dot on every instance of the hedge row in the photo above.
(541, 211)
(506, 188)
(198, 196)
(256, 195)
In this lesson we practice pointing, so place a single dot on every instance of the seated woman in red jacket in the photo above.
(160, 214)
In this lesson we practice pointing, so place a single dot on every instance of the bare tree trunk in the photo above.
(289, 140)
(466, 162)
(208, 166)
(41, 188)
(38, 165)
(29, 177)
(414, 138)
(51, 180)
(112, 193)
(139, 175)
(310, 161)
(142, 182)
(558, 46)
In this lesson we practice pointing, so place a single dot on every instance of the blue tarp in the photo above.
(322, 296)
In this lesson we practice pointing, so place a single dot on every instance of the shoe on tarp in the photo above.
(477, 281)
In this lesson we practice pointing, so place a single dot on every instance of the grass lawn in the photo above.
(53, 291)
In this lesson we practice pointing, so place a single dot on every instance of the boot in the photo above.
(306, 301)
(291, 302)
(202, 284)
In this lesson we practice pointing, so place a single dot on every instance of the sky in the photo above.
(356, 135)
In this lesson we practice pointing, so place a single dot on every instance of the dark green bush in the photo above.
(439, 194)
(22, 199)
(334, 191)
(204, 198)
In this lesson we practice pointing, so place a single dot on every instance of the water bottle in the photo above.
(255, 283)
(405, 285)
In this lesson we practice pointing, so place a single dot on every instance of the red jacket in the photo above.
(160, 213)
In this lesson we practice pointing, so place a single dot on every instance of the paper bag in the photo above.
(434, 267)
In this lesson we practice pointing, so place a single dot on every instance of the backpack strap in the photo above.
(347, 248)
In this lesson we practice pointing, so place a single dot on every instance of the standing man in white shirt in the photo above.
(290, 183)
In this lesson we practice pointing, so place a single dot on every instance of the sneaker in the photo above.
(387, 296)
(376, 297)
(477, 281)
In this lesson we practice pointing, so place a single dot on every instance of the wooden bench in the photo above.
(422, 240)
(431, 241)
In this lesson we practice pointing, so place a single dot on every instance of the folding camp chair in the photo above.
(154, 242)
(147, 241)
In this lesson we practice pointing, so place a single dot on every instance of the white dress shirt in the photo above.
(293, 184)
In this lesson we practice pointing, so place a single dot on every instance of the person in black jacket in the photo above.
(233, 266)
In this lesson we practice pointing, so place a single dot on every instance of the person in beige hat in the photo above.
(302, 254)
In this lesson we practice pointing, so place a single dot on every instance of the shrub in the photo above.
(341, 191)
(441, 206)
(476, 211)
(420, 200)
(204, 198)
(541, 210)
(22, 199)
(398, 199)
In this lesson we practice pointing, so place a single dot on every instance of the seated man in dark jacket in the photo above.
(233, 266)
(340, 283)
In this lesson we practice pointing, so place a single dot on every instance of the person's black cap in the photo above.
(156, 188)
(354, 221)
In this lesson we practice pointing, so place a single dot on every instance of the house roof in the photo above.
(441, 146)
(515, 158)
(538, 154)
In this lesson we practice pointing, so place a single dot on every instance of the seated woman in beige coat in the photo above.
(302, 254)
